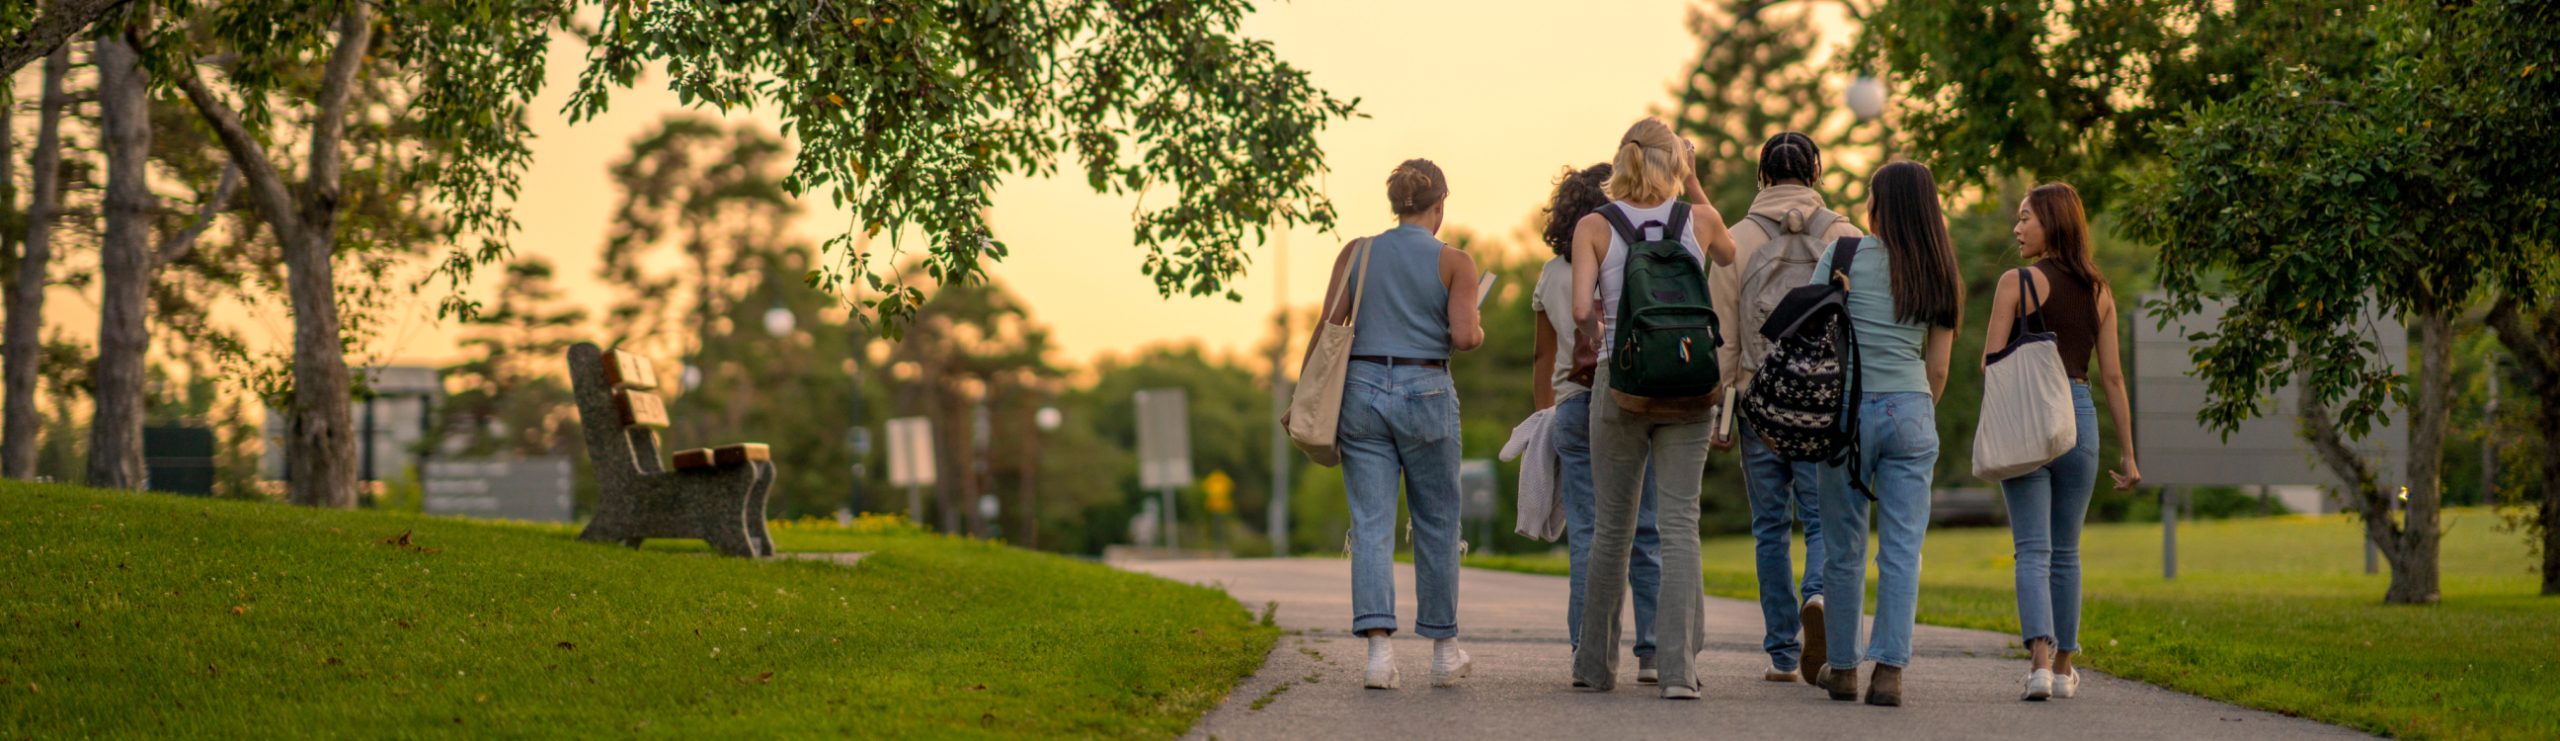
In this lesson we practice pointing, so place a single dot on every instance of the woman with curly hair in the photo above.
(1554, 383)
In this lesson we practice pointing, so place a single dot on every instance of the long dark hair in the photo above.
(1902, 206)
(1790, 156)
(1578, 193)
(2066, 230)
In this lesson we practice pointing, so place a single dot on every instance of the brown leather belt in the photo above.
(1388, 361)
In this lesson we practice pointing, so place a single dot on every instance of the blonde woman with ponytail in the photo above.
(1399, 420)
(1653, 175)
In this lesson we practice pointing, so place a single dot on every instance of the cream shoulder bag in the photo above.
(2026, 399)
(1316, 407)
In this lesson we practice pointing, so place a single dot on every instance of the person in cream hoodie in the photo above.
(1776, 246)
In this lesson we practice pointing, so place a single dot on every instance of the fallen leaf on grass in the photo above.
(333, 661)
(978, 688)
(239, 609)
(396, 541)
(567, 646)
(765, 678)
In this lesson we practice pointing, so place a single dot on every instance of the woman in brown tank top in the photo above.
(2047, 505)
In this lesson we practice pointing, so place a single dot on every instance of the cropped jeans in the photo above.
(1400, 425)
(2046, 507)
(1572, 438)
(1898, 436)
(1782, 494)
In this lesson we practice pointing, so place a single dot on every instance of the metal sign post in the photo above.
(1477, 481)
(1164, 451)
(911, 460)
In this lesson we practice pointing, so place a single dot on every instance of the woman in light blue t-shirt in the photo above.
(1905, 301)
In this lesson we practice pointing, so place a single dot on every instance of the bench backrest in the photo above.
(617, 407)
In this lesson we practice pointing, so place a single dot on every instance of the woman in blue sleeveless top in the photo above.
(1400, 419)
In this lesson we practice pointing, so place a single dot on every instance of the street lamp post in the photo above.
(1866, 99)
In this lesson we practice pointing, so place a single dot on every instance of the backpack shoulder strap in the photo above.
(1844, 253)
(1820, 222)
(1679, 221)
(1768, 225)
(1618, 222)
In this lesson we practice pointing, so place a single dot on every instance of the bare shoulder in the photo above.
(1452, 257)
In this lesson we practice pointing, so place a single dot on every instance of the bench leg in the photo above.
(755, 508)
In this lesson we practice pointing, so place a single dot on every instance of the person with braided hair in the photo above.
(1775, 247)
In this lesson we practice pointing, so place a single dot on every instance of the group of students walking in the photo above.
(1628, 462)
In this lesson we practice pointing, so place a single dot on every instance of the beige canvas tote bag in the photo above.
(1315, 409)
(2026, 399)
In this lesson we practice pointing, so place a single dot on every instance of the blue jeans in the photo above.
(1782, 494)
(1898, 434)
(1400, 424)
(2046, 507)
(1572, 438)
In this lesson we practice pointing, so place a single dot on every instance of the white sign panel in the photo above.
(535, 489)
(1164, 439)
(911, 452)
(2178, 450)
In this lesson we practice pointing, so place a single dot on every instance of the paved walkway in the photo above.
(1963, 683)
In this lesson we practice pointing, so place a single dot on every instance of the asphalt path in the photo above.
(1961, 684)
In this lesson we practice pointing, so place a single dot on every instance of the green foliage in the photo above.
(2073, 90)
(911, 115)
(1755, 77)
(2272, 613)
(121, 602)
(2321, 196)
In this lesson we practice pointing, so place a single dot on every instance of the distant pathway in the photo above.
(1962, 684)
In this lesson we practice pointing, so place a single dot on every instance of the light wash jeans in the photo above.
(1572, 438)
(1400, 424)
(1898, 433)
(2046, 507)
(1782, 494)
(1622, 444)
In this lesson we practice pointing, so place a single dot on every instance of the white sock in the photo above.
(1379, 648)
(1444, 647)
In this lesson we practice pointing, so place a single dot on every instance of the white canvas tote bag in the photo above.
(2026, 399)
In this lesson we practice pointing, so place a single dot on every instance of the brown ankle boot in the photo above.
(1884, 687)
(1843, 684)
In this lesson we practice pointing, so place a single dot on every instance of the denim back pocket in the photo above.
(1429, 411)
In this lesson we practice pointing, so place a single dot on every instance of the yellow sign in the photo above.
(1219, 488)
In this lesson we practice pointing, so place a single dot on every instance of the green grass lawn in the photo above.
(131, 614)
(2269, 613)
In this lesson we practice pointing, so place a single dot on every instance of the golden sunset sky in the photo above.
(1502, 94)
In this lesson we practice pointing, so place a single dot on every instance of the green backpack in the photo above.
(1666, 333)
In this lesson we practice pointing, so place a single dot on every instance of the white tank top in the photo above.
(1649, 222)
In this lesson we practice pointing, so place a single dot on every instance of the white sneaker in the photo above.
(1646, 672)
(1680, 693)
(1382, 665)
(2067, 686)
(2039, 685)
(1775, 674)
(1449, 663)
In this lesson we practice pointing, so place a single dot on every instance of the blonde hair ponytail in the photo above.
(1648, 165)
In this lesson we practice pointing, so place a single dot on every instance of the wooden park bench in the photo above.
(714, 494)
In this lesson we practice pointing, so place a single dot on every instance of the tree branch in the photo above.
(2321, 430)
(178, 245)
(329, 113)
(2507, 318)
(62, 20)
(274, 200)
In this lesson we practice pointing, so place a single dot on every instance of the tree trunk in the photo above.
(320, 447)
(19, 422)
(2414, 573)
(115, 430)
(2538, 353)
